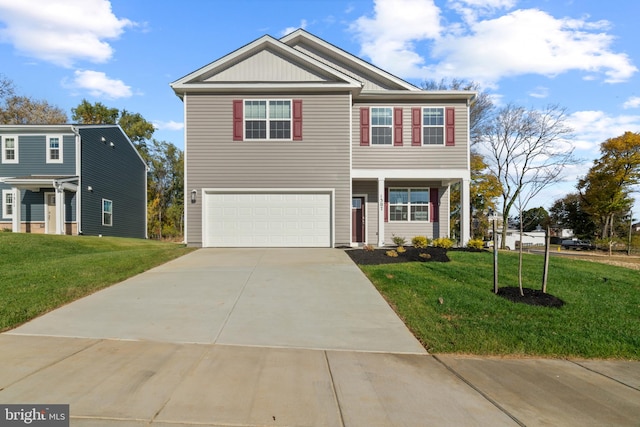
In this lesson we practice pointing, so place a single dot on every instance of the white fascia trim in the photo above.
(437, 174)
(258, 45)
(427, 95)
(252, 87)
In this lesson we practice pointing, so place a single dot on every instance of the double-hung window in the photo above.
(267, 119)
(7, 203)
(54, 149)
(381, 126)
(107, 212)
(433, 126)
(9, 149)
(409, 204)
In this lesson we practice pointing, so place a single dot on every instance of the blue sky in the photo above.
(581, 54)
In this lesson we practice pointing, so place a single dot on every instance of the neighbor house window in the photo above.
(409, 204)
(54, 149)
(10, 149)
(433, 126)
(107, 212)
(267, 119)
(381, 126)
(7, 203)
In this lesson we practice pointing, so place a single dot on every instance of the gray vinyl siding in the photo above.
(33, 205)
(408, 230)
(116, 174)
(367, 78)
(32, 157)
(266, 66)
(408, 156)
(320, 160)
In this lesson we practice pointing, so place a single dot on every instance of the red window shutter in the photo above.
(364, 126)
(238, 126)
(450, 123)
(416, 126)
(397, 126)
(386, 205)
(297, 120)
(433, 206)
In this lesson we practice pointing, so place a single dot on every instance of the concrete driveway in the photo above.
(282, 337)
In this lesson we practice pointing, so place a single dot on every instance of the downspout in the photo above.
(76, 131)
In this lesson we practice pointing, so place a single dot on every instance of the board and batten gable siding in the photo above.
(319, 160)
(266, 65)
(408, 156)
(32, 156)
(114, 173)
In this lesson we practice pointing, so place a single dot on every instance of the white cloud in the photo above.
(99, 85)
(388, 37)
(170, 125)
(539, 92)
(288, 30)
(633, 102)
(63, 31)
(594, 127)
(485, 49)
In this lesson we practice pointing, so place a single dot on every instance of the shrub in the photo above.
(368, 248)
(442, 242)
(399, 241)
(401, 249)
(425, 256)
(475, 244)
(420, 242)
(392, 253)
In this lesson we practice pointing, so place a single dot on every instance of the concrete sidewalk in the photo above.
(283, 338)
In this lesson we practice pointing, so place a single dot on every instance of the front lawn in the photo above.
(451, 308)
(41, 272)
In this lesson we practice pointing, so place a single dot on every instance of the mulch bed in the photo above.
(531, 297)
(379, 256)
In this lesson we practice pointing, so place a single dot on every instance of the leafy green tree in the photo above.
(94, 114)
(136, 127)
(534, 218)
(605, 190)
(568, 213)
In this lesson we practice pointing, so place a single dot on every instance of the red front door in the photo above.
(357, 219)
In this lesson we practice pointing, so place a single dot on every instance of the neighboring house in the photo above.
(295, 142)
(71, 179)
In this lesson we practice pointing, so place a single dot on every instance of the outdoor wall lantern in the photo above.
(111, 144)
(89, 188)
(193, 196)
(103, 139)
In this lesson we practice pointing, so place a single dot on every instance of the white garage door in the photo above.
(267, 220)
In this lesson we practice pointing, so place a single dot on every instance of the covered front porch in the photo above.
(405, 203)
(44, 204)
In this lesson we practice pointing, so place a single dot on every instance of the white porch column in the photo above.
(465, 209)
(17, 210)
(60, 210)
(380, 211)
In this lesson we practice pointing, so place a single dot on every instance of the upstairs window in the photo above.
(381, 126)
(107, 212)
(433, 126)
(267, 119)
(54, 149)
(9, 149)
(409, 204)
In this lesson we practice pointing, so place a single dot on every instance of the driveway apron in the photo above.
(300, 298)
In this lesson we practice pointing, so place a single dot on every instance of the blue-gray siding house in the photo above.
(71, 179)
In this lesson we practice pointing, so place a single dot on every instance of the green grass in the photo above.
(600, 318)
(41, 272)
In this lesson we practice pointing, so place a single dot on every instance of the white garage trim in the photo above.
(268, 217)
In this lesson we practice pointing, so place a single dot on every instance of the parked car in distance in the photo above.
(577, 244)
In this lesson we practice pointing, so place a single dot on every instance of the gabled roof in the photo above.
(302, 38)
(223, 75)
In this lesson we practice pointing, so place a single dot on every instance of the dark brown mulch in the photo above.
(379, 256)
(531, 297)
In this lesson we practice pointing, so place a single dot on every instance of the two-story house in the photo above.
(71, 179)
(295, 142)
